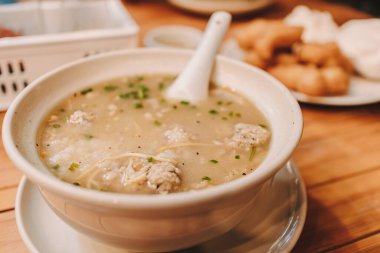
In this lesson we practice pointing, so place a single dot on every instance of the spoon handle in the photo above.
(192, 83)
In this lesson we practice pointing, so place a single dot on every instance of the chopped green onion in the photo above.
(110, 88)
(85, 91)
(56, 125)
(124, 95)
(157, 123)
(213, 112)
(56, 167)
(184, 102)
(88, 136)
(263, 126)
(76, 184)
(174, 107)
(150, 159)
(139, 105)
(134, 94)
(220, 102)
(252, 153)
(161, 86)
(213, 161)
(237, 157)
(131, 85)
(206, 178)
(142, 92)
(231, 114)
(73, 166)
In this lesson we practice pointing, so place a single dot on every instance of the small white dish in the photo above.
(362, 91)
(235, 7)
(178, 36)
(275, 227)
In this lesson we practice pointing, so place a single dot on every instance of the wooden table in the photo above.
(339, 155)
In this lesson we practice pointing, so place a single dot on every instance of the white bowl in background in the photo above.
(150, 222)
(179, 36)
(235, 7)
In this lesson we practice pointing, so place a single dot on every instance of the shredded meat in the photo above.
(247, 136)
(163, 177)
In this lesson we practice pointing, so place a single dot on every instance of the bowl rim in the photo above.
(145, 201)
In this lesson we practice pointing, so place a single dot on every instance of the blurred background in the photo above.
(369, 6)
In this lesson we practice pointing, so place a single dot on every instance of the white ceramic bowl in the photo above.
(150, 222)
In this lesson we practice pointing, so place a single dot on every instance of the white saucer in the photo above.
(361, 92)
(276, 226)
(207, 7)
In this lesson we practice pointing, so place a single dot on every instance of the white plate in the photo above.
(207, 7)
(276, 226)
(361, 91)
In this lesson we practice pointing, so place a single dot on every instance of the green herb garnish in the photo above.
(142, 92)
(184, 102)
(231, 114)
(76, 184)
(131, 85)
(220, 102)
(162, 100)
(263, 126)
(110, 88)
(157, 123)
(206, 178)
(73, 166)
(124, 95)
(88, 136)
(150, 159)
(56, 167)
(252, 153)
(237, 157)
(161, 86)
(214, 161)
(174, 107)
(85, 91)
(139, 105)
(214, 112)
(56, 125)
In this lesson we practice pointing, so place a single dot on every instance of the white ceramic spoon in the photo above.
(193, 83)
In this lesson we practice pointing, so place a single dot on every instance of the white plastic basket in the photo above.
(57, 32)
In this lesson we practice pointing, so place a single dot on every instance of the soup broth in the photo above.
(124, 136)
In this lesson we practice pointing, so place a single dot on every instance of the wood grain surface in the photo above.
(338, 156)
